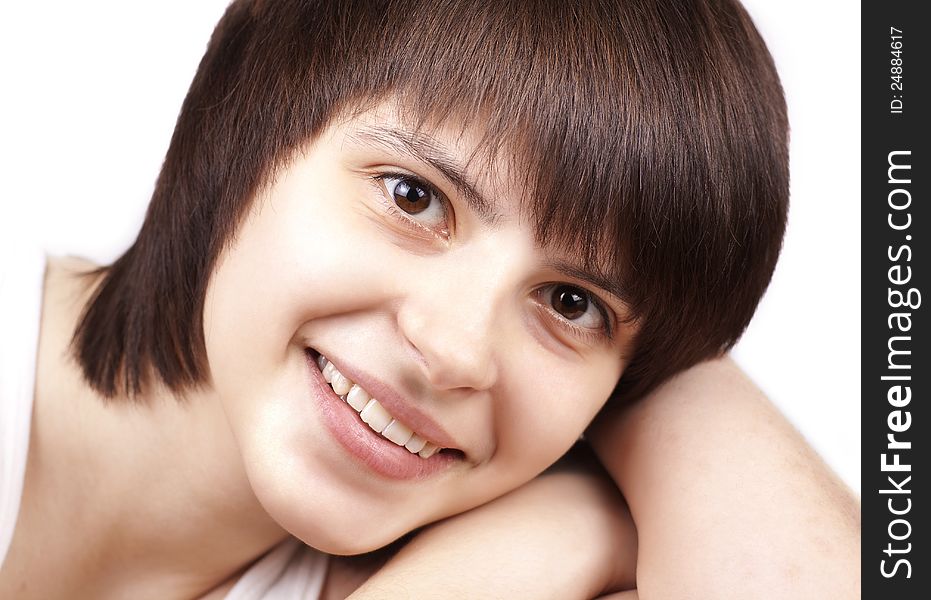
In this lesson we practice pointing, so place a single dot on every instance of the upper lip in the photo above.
(399, 407)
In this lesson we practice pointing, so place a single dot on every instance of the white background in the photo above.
(90, 91)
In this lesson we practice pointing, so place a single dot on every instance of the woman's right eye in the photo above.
(416, 200)
(410, 196)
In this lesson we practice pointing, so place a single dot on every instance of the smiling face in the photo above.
(389, 256)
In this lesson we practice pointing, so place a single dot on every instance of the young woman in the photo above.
(398, 259)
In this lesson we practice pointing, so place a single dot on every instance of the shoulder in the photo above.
(66, 286)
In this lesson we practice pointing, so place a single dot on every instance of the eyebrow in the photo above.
(425, 149)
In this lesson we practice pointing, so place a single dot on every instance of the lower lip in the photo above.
(371, 449)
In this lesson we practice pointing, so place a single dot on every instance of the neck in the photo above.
(149, 487)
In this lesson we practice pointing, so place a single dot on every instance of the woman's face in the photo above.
(417, 276)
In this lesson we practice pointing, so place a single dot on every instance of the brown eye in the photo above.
(419, 202)
(577, 310)
(411, 196)
(569, 301)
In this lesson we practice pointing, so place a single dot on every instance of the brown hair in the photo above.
(653, 135)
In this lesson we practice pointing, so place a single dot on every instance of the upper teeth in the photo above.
(373, 413)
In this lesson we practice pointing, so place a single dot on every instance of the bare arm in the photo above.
(566, 534)
(727, 497)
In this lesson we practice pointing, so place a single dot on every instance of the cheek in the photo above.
(549, 417)
(544, 413)
(293, 261)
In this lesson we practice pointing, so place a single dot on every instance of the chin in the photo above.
(328, 516)
(342, 545)
(339, 533)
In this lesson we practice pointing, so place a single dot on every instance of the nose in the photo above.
(451, 319)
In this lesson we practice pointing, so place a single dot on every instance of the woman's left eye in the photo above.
(578, 307)
(415, 200)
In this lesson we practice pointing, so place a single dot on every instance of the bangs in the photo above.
(614, 118)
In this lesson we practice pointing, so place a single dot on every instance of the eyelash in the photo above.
(587, 335)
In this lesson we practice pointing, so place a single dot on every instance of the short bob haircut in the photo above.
(652, 136)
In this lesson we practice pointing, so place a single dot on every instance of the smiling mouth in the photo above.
(372, 413)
